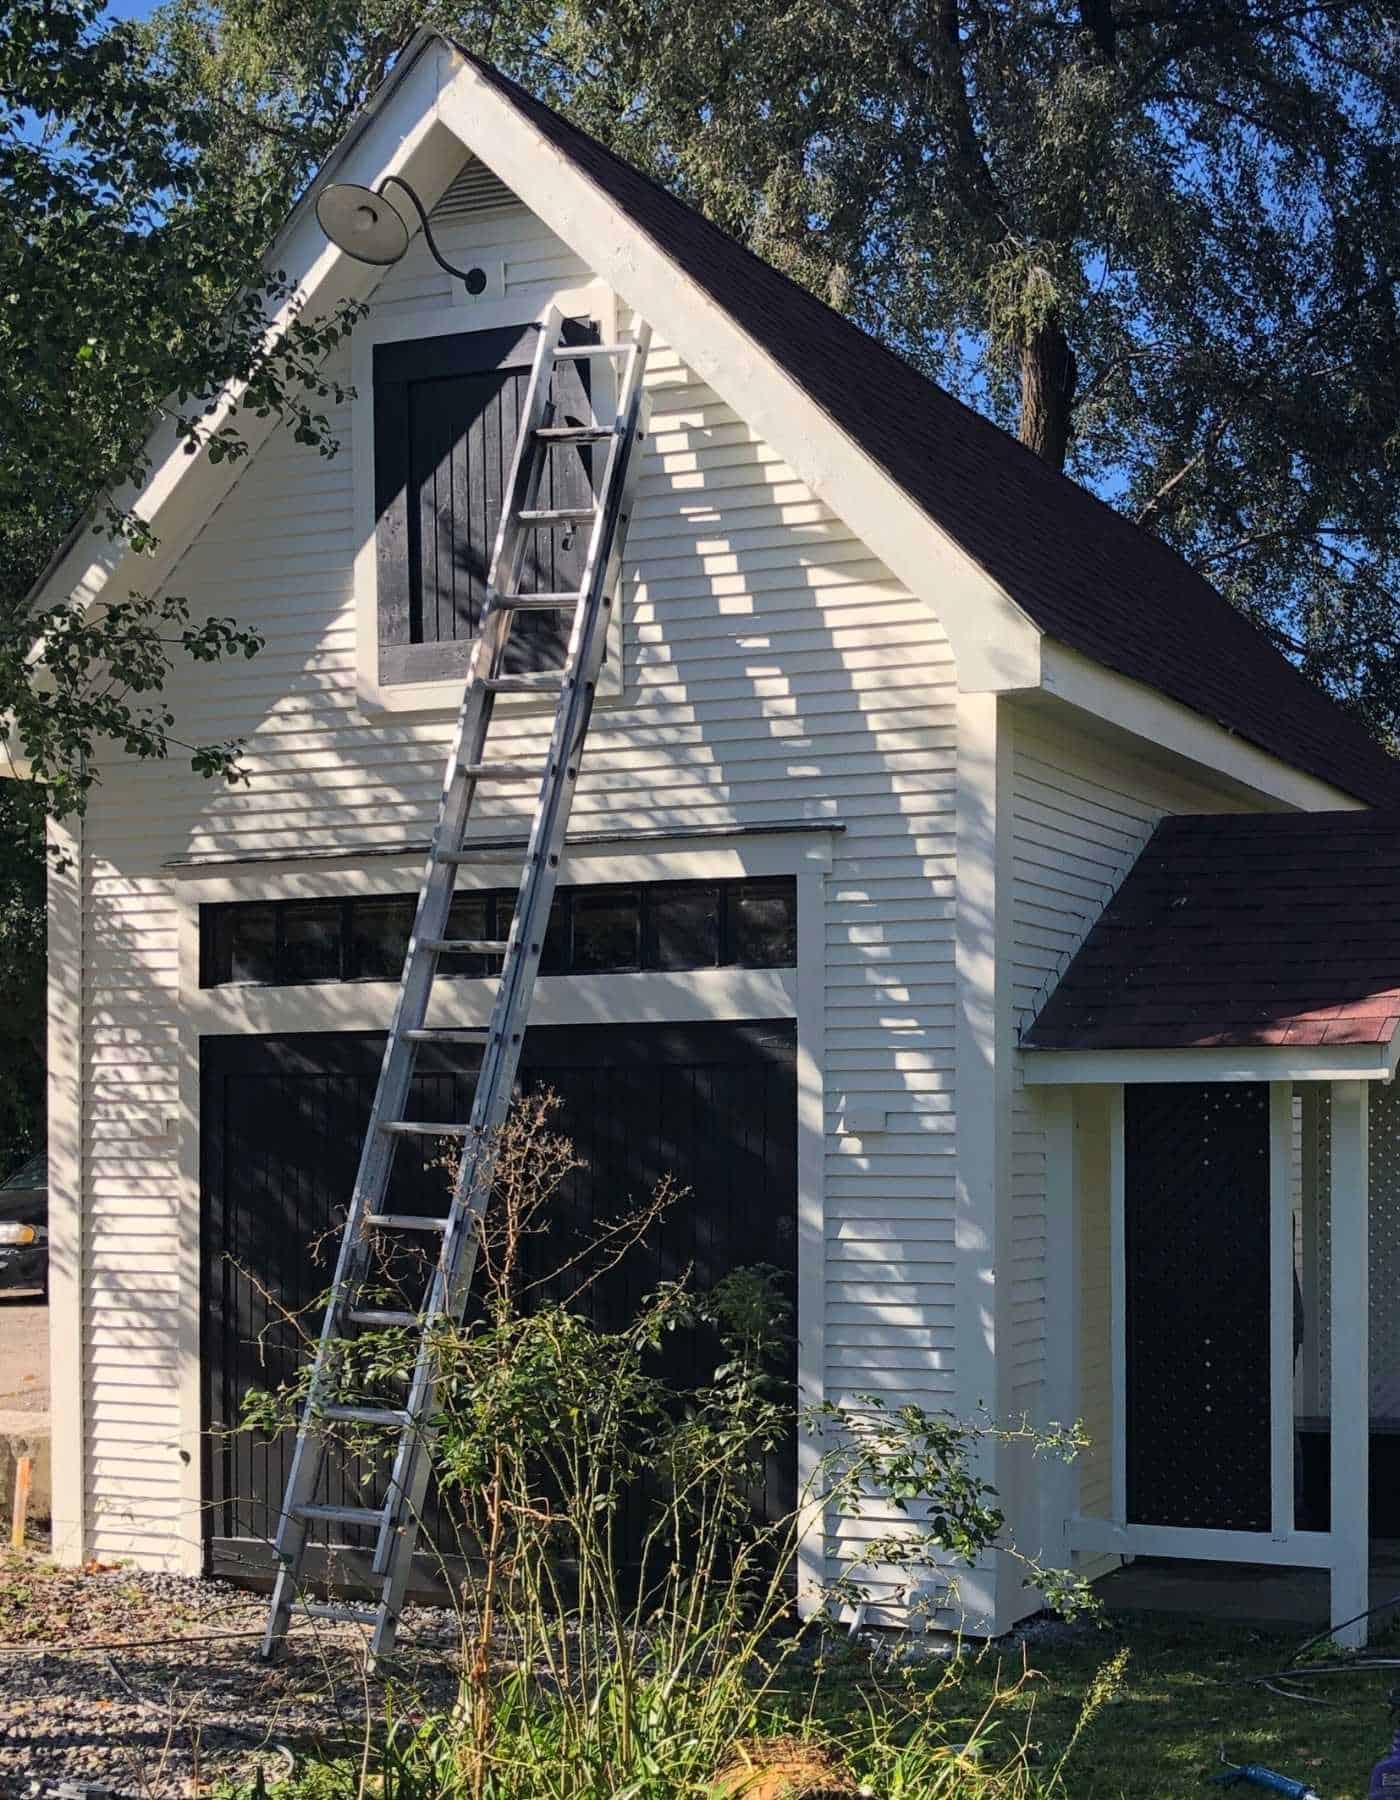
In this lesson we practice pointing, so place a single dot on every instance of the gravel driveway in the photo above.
(171, 1721)
(24, 1353)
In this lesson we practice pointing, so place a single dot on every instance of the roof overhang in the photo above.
(432, 108)
(1265, 1062)
(1101, 698)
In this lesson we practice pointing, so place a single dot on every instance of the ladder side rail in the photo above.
(588, 644)
(415, 986)
(540, 871)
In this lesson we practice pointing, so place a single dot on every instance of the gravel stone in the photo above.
(172, 1721)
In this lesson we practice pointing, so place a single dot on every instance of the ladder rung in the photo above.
(549, 683)
(404, 1222)
(574, 434)
(448, 1034)
(331, 1609)
(466, 946)
(556, 515)
(342, 1515)
(501, 771)
(419, 1128)
(369, 1315)
(367, 1415)
(536, 602)
(562, 351)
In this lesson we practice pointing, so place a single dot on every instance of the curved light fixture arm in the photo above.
(473, 279)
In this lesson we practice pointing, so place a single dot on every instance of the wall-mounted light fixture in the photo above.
(367, 225)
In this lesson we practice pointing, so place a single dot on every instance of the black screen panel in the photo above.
(1196, 1226)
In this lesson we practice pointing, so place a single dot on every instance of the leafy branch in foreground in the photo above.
(132, 293)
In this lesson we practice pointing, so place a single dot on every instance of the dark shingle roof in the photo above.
(1081, 571)
(1241, 929)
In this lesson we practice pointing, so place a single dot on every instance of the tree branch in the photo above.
(1272, 537)
(1157, 505)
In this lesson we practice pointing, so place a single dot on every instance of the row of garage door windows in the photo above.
(592, 930)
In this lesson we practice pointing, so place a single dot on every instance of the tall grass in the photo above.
(632, 1625)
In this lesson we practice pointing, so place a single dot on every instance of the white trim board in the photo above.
(620, 860)
(1074, 680)
(487, 849)
(66, 1064)
(1300, 1550)
(646, 998)
(1338, 1062)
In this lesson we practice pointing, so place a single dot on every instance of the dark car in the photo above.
(24, 1227)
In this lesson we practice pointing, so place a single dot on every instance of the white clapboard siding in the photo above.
(769, 662)
(1082, 810)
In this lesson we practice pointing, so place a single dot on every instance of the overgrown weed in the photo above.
(635, 1623)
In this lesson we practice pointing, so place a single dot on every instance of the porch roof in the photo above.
(1234, 931)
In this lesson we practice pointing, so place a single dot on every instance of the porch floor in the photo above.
(1248, 1593)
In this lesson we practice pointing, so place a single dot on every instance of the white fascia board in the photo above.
(996, 646)
(401, 137)
(1142, 710)
(1271, 1062)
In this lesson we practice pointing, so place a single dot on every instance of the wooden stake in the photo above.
(24, 1473)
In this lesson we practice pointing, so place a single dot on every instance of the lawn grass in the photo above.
(1185, 1691)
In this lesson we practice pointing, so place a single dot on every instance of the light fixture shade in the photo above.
(362, 223)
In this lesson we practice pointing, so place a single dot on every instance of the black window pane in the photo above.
(607, 929)
(379, 933)
(242, 946)
(684, 927)
(470, 917)
(764, 925)
(311, 941)
(554, 958)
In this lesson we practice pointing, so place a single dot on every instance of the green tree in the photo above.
(1159, 241)
(130, 289)
(22, 962)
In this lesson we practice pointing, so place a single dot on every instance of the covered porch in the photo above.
(1213, 1078)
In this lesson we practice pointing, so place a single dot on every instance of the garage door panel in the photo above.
(714, 1106)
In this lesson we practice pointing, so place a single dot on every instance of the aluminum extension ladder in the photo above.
(395, 1522)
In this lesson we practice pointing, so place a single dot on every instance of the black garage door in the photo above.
(281, 1123)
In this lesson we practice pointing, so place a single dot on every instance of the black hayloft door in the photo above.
(281, 1124)
(446, 418)
(1196, 1227)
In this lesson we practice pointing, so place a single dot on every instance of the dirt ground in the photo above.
(24, 1353)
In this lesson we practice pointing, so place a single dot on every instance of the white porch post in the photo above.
(1281, 1404)
(1060, 1482)
(1350, 1374)
(1118, 1301)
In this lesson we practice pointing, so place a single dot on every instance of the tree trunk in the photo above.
(1048, 377)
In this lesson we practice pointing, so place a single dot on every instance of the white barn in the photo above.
(890, 712)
